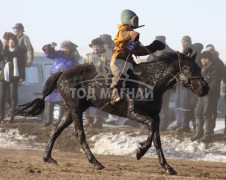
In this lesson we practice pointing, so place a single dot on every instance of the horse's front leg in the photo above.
(80, 135)
(158, 146)
(147, 120)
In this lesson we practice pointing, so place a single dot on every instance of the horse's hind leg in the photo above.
(80, 134)
(64, 123)
(158, 146)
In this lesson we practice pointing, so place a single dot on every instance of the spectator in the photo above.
(64, 59)
(222, 70)
(99, 57)
(1, 47)
(24, 43)
(197, 48)
(205, 106)
(11, 72)
(184, 112)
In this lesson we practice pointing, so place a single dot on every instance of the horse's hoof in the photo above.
(99, 166)
(50, 160)
(139, 154)
(171, 171)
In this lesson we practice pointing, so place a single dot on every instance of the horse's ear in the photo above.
(194, 56)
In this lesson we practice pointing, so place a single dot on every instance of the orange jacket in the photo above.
(123, 36)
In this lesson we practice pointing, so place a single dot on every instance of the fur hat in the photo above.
(106, 38)
(207, 54)
(69, 44)
(187, 38)
(19, 26)
(97, 41)
(129, 17)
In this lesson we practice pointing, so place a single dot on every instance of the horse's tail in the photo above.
(37, 106)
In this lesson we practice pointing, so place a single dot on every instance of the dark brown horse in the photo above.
(142, 101)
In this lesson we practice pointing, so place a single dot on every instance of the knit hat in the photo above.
(187, 38)
(207, 54)
(130, 18)
(97, 41)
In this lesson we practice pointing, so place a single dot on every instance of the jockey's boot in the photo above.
(115, 97)
(199, 130)
(49, 108)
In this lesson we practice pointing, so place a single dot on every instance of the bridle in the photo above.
(181, 77)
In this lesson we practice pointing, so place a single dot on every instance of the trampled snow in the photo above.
(125, 145)
(11, 138)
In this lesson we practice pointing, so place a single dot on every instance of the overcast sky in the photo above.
(81, 21)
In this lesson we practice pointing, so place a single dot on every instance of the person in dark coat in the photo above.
(24, 43)
(11, 73)
(64, 59)
(221, 68)
(206, 104)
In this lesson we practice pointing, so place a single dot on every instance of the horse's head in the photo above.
(189, 75)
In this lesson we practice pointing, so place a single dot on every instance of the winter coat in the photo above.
(7, 57)
(184, 98)
(98, 60)
(61, 63)
(25, 47)
(221, 67)
(124, 35)
(212, 76)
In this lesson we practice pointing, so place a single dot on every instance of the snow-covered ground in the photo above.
(11, 138)
(124, 144)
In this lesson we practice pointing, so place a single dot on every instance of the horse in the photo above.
(160, 75)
